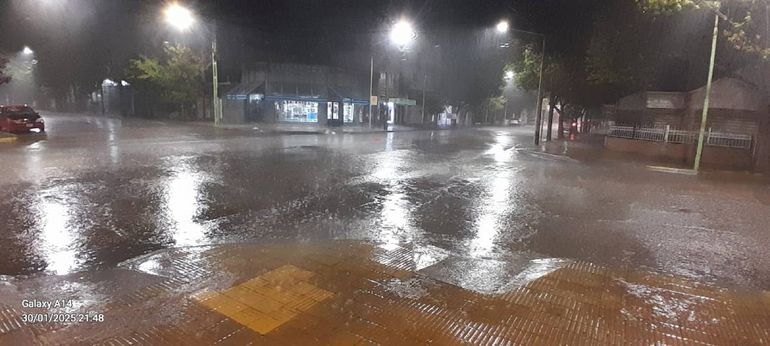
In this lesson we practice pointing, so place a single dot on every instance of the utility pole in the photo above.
(704, 115)
(101, 91)
(371, 89)
(215, 80)
(424, 84)
(539, 108)
(505, 110)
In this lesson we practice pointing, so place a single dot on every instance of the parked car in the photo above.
(20, 119)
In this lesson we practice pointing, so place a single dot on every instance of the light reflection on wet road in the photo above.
(56, 243)
(182, 206)
(99, 191)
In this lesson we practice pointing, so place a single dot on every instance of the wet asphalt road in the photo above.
(98, 191)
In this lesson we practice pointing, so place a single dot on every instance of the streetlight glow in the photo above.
(509, 75)
(502, 27)
(27, 51)
(179, 16)
(402, 33)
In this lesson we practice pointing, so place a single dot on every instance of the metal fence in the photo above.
(650, 134)
(681, 136)
(669, 135)
(730, 140)
(621, 131)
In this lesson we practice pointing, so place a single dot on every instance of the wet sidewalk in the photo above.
(289, 128)
(349, 293)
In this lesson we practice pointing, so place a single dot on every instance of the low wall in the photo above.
(726, 158)
(713, 157)
(649, 149)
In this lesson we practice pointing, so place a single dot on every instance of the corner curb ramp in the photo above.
(7, 137)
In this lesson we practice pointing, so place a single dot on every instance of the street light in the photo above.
(502, 27)
(179, 16)
(182, 18)
(402, 33)
(27, 51)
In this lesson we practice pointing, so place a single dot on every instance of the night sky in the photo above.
(85, 39)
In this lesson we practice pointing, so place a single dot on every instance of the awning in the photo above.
(245, 89)
(346, 95)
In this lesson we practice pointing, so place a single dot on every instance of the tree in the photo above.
(493, 104)
(564, 83)
(19, 72)
(746, 31)
(629, 50)
(173, 83)
(433, 105)
(4, 78)
(470, 71)
(660, 45)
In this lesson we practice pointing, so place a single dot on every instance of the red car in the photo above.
(20, 119)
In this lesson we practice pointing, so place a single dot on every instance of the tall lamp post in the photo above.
(401, 34)
(503, 27)
(371, 89)
(182, 19)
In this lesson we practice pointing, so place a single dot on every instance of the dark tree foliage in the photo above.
(657, 46)
(3, 77)
(173, 83)
(747, 26)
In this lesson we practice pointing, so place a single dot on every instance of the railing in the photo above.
(730, 140)
(668, 135)
(621, 131)
(681, 136)
(650, 134)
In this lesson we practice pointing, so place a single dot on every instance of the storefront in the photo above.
(396, 109)
(291, 93)
(296, 111)
(353, 111)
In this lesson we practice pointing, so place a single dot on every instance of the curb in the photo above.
(664, 169)
(8, 139)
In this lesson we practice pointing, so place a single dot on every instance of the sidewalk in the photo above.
(589, 148)
(289, 128)
(351, 293)
(7, 137)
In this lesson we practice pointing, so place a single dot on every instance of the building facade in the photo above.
(296, 93)
(737, 112)
(734, 107)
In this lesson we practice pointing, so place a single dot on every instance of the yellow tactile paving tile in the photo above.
(267, 301)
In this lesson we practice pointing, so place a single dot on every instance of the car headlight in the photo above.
(39, 120)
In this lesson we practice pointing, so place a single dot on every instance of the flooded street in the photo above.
(99, 191)
(384, 173)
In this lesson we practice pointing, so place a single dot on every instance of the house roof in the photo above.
(726, 93)
(247, 88)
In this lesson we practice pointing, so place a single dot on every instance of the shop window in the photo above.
(348, 112)
(297, 111)
(333, 110)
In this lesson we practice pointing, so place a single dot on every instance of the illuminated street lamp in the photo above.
(27, 51)
(502, 27)
(178, 17)
(182, 19)
(402, 33)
